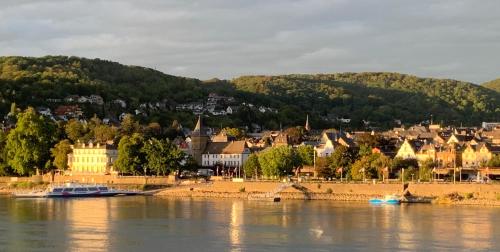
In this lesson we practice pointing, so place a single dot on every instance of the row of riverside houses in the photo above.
(468, 148)
(464, 147)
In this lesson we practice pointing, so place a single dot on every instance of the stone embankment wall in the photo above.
(99, 179)
(325, 191)
(331, 191)
(112, 179)
(480, 191)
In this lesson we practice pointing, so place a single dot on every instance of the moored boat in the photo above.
(388, 199)
(76, 190)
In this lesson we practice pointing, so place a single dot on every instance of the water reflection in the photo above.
(235, 227)
(149, 223)
(87, 224)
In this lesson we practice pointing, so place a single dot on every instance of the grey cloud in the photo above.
(225, 38)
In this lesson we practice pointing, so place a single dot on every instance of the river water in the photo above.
(161, 224)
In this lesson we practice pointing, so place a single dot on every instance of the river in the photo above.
(166, 224)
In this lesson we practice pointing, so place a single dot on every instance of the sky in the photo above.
(457, 39)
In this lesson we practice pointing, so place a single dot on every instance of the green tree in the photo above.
(153, 130)
(295, 134)
(323, 169)
(494, 161)
(189, 164)
(60, 154)
(409, 166)
(94, 122)
(4, 167)
(362, 169)
(305, 154)
(162, 156)
(75, 130)
(277, 161)
(103, 133)
(129, 125)
(130, 158)
(28, 144)
(370, 166)
(252, 166)
(398, 163)
(364, 150)
(382, 163)
(234, 132)
(425, 170)
(342, 157)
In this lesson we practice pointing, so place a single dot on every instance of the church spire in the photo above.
(198, 124)
(307, 127)
(199, 130)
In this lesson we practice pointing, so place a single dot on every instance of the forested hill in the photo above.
(33, 80)
(379, 97)
(494, 84)
(376, 97)
(30, 81)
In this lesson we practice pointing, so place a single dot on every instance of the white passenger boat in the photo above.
(75, 190)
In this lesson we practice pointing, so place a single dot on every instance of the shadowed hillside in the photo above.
(377, 98)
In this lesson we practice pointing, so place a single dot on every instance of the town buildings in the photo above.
(218, 152)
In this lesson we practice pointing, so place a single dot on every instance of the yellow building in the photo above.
(476, 155)
(426, 152)
(92, 158)
(406, 151)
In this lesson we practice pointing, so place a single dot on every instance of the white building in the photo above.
(92, 158)
(225, 154)
(329, 142)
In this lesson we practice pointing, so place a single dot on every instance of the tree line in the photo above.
(377, 98)
(38, 145)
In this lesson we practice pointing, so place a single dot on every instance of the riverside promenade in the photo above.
(449, 193)
(474, 194)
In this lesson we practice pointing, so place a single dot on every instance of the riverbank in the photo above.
(456, 194)
(10, 188)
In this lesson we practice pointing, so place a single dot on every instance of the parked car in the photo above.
(207, 173)
(187, 174)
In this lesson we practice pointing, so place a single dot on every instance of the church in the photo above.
(220, 153)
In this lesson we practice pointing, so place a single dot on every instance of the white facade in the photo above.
(95, 159)
(226, 160)
(325, 150)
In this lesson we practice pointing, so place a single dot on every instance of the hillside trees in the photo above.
(377, 97)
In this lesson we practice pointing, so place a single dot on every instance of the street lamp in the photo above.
(403, 175)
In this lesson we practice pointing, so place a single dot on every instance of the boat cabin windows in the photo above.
(57, 190)
(81, 189)
(103, 189)
(93, 189)
(69, 189)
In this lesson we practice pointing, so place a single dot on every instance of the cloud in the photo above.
(226, 38)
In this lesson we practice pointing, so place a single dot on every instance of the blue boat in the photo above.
(387, 200)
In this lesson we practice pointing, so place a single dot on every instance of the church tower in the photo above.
(199, 140)
(307, 127)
